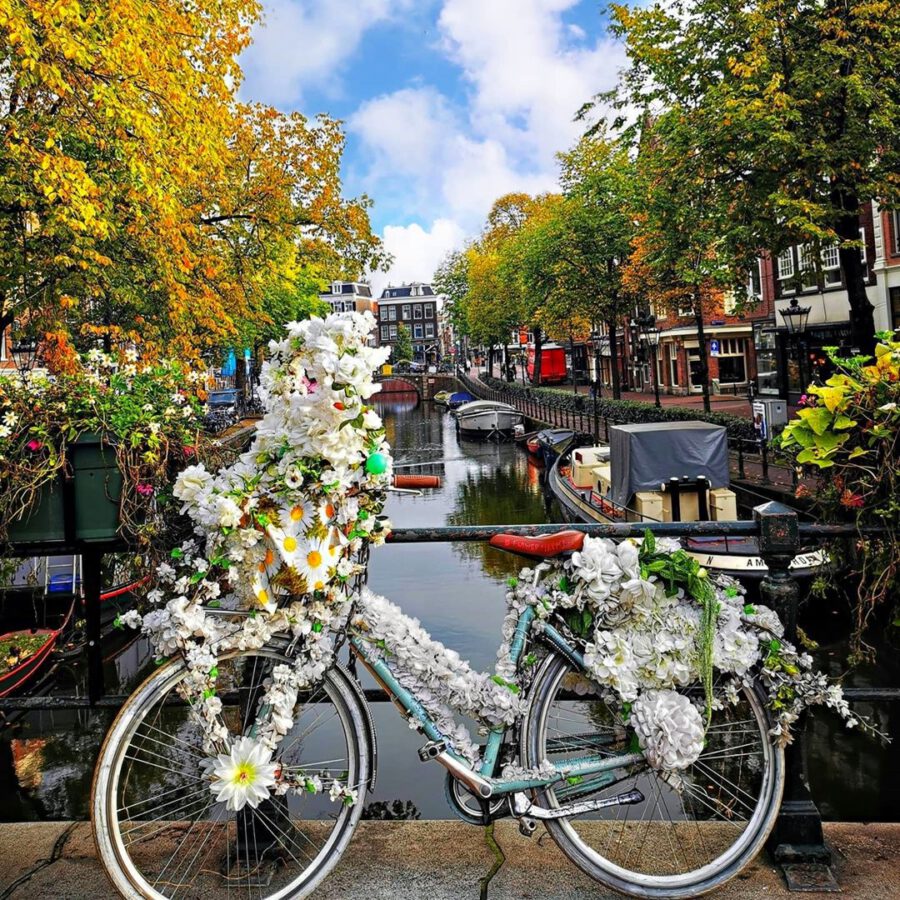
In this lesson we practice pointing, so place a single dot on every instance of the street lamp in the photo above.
(650, 333)
(24, 354)
(795, 319)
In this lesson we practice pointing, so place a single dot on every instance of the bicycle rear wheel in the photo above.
(682, 840)
(158, 828)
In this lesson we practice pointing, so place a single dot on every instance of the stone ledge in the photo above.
(437, 860)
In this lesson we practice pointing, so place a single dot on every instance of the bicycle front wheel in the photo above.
(161, 833)
(690, 834)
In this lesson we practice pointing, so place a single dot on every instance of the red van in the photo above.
(553, 364)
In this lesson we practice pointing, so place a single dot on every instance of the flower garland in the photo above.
(281, 537)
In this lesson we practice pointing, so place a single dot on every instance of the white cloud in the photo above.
(301, 43)
(529, 71)
(416, 252)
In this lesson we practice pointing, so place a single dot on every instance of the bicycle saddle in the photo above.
(545, 546)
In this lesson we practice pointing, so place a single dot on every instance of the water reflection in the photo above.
(457, 591)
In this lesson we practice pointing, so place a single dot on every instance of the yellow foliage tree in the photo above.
(138, 199)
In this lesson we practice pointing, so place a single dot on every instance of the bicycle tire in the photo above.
(123, 861)
(661, 886)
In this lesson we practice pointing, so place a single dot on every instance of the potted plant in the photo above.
(99, 441)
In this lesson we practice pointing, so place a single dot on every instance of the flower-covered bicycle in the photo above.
(637, 709)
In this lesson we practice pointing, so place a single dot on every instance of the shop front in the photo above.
(786, 365)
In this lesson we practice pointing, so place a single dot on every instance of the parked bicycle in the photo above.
(241, 766)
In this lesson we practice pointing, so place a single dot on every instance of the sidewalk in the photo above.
(726, 403)
(437, 860)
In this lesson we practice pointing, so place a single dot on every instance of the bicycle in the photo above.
(571, 761)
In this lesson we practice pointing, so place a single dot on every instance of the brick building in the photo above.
(417, 307)
(887, 267)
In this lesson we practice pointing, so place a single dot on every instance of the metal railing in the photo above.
(751, 459)
(798, 833)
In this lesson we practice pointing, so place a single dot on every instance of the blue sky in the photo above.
(447, 104)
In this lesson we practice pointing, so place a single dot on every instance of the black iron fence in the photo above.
(751, 459)
(779, 533)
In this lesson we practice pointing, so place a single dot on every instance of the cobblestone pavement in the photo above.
(437, 860)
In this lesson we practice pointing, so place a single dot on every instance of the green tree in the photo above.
(792, 105)
(402, 351)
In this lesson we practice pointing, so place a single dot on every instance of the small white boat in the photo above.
(487, 418)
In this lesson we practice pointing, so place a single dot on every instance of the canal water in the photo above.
(457, 591)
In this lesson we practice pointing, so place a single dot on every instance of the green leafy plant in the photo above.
(148, 413)
(846, 437)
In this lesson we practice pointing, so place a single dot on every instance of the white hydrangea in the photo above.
(669, 729)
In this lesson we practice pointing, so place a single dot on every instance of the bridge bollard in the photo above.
(797, 842)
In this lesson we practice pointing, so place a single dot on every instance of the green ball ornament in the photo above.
(376, 464)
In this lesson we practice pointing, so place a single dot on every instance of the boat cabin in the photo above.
(659, 472)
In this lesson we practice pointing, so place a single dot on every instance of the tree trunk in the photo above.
(614, 359)
(862, 318)
(490, 365)
(704, 359)
(538, 349)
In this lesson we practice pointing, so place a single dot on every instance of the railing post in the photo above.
(797, 842)
(764, 454)
(741, 458)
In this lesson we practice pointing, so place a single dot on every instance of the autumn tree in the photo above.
(678, 261)
(793, 109)
(451, 278)
(138, 200)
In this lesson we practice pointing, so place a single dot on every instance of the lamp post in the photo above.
(24, 354)
(650, 333)
(795, 320)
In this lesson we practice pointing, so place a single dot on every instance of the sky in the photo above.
(447, 104)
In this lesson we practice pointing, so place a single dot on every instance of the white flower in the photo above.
(244, 776)
(669, 729)
(191, 484)
(5, 431)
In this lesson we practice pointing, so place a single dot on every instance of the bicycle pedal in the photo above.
(527, 826)
(432, 750)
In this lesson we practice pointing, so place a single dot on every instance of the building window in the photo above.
(429, 329)
(417, 332)
(405, 311)
(392, 313)
(417, 311)
(732, 361)
(385, 333)
(429, 310)
(786, 271)
(809, 279)
(895, 227)
(754, 282)
(336, 287)
(895, 307)
(831, 266)
(393, 332)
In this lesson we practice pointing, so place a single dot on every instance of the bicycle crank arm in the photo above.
(522, 806)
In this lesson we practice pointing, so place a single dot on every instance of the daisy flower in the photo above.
(243, 776)
(312, 563)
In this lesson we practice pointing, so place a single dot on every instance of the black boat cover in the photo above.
(645, 456)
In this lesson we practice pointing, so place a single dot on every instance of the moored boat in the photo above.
(442, 397)
(27, 652)
(665, 472)
(487, 418)
(459, 398)
(552, 442)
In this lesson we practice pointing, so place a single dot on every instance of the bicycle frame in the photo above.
(487, 772)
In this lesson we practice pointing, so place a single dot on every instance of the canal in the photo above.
(457, 591)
